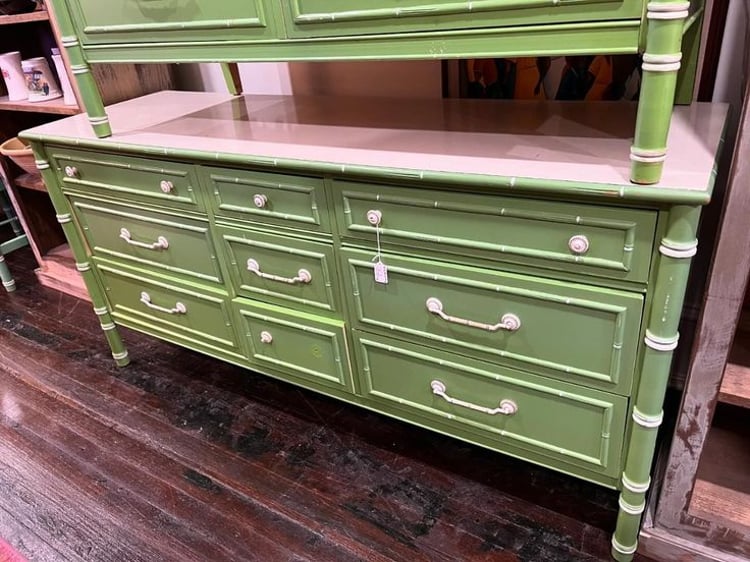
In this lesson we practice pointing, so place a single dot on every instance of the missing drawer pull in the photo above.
(179, 308)
(509, 322)
(303, 276)
(160, 244)
(506, 407)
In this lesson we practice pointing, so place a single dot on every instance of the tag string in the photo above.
(377, 238)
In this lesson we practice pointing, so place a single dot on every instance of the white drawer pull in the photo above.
(374, 217)
(303, 276)
(266, 337)
(260, 200)
(506, 408)
(71, 171)
(578, 244)
(509, 322)
(160, 244)
(166, 186)
(179, 308)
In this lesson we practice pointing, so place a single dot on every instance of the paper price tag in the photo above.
(381, 273)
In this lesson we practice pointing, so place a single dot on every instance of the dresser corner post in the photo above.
(83, 265)
(677, 247)
(79, 66)
(661, 63)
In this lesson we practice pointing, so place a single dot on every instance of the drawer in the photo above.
(587, 239)
(531, 417)
(570, 331)
(296, 202)
(327, 18)
(167, 241)
(193, 315)
(296, 346)
(281, 269)
(172, 21)
(164, 184)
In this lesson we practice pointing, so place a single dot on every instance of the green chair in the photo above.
(18, 240)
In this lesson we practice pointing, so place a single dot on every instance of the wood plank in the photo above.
(31, 181)
(39, 15)
(718, 503)
(55, 106)
(238, 524)
(735, 386)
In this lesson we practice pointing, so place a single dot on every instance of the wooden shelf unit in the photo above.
(52, 106)
(40, 15)
(27, 191)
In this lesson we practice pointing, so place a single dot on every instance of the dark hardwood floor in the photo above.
(179, 457)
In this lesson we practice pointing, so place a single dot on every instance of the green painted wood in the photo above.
(81, 254)
(268, 199)
(507, 229)
(5, 275)
(676, 249)
(165, 184)
(580, 426)
(572, 332)
(616, 193)
(658, 82)
(279, 260)
(172, 243)
(205, 325)
(327, 18)
(148, 21)
(616, 37)
(305, 347)
(90, 96)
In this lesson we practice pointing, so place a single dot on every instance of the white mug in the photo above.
(15, 82)
(39, 80)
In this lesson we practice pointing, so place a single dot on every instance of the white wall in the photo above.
(415, 79)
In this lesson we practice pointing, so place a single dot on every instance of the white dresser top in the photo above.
(554, 141)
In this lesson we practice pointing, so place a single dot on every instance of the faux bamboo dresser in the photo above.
(483, 270)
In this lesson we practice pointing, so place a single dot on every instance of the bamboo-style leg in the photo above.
(677, 247)
(5, 276)
(232, 77)
(65, 218)
(661, 61)
(90, 96)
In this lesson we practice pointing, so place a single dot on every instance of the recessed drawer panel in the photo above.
(278, 199)
(569, 331)
(500, 408)
(281, 269)
(593, 240)
(168, 184)
(162, 240)
(300, 346)
(196, 316)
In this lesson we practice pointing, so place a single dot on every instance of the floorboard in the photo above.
(182, 457)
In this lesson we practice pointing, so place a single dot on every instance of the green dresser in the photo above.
(452, 273)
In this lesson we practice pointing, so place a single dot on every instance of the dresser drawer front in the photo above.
(277, 199)
(577, 425)
(569, 331)
(164, 184)
(586, 239)
(160, 240)
(150, 21)
(195, 316)
(304, 347)
(281, 269)
(341, 17)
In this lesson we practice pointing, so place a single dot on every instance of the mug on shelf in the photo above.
(40, 82)
(15, 83)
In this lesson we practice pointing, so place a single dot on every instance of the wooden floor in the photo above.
(181, 457)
